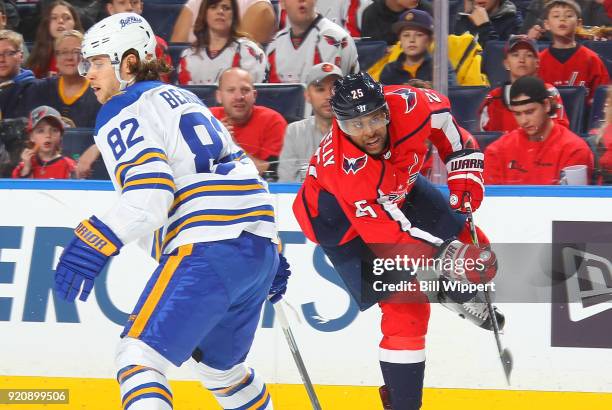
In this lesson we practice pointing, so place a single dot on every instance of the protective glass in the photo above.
(358, 126)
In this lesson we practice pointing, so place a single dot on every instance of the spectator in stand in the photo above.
(601, 143)
(303, 137)
(566, 62)
(607, 5)
(310, 39)
(258, 130)
(347, 14)
(60, 16)
(379, 17)
(520, 59)
(9, 16)
(490, 19)
(68, 93)
(43, 158)
(219, 46)
(592, 11)
(14, 80)
(257, 20)
(415, 31)
(537, 152)
(136, 6)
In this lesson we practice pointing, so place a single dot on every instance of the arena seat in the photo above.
(369, 52)
(485, 138)
(574, 101)
(75, 141)
(161, 16)
(465, 101)
(596, 115)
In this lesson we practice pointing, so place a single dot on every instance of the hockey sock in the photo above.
(144, 388)
(404, 382)
(248, 392)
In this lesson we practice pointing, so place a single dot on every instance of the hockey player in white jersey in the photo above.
(178, 175)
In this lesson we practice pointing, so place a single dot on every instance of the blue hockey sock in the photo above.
(405, 384)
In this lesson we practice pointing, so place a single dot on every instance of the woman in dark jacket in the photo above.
(489, 19)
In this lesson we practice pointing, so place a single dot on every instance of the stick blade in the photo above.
(507, 363)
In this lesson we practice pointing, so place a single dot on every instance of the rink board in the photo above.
(59, 344)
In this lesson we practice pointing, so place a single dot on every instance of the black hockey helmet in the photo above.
(356, 95)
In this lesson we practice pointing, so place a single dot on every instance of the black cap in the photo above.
(532, 87)
(356, 95)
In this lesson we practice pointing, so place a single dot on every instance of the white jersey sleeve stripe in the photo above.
(144, 157)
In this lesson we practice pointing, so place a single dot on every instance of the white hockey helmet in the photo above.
(115, 35)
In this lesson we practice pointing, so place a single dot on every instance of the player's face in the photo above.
(414, 42)
(102, 79)
(300, 12)
(219, 16)
(531, 117)
(10, 60)
(68, 55)
(318, 95)
(46, 137)
(369, 132)
(562, 21)
(61, 20)
(237, 95)
(521, 61)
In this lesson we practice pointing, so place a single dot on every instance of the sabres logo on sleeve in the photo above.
(354, 164)
(409, 96)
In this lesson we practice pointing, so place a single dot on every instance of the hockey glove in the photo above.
(463, 262)
(279, 284)
(465, 181)
(84, 258)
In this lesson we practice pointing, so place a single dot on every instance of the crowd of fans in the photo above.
(235, 44)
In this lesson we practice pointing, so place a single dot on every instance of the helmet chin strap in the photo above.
(123, 84)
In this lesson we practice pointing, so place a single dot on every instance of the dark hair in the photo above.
(565, 3)
(148, 70)
(40, 58)
(2, 7)
(200, 28)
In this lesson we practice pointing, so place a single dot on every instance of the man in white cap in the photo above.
(303, 137)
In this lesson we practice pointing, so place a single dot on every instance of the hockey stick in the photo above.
(504, 353)
(284, 323)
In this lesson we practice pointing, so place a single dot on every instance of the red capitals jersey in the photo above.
(495, 114)
(57, 168)
(584, 68)
(371, 189)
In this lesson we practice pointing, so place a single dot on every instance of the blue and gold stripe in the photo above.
(216, 188)
(143, 157)
(231, 390)
(144, 391)
(157, 244)
(150, 180)
(127, 372)
(259, 402)
(235, 156)
(218, 217)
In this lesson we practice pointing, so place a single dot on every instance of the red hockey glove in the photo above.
(461, 261)
(465, 181)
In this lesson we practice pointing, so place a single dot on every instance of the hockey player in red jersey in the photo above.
(363, 190)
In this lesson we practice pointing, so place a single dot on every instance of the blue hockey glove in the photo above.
(279, 284)
(84, 258)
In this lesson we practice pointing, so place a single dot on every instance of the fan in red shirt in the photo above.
(521, 59)
(363, 199)
(258, 130)
(538, 151)
(42, 158)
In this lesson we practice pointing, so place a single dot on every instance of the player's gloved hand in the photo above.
(465, 181)
(84, 258)
(279, 284)
(463, 262)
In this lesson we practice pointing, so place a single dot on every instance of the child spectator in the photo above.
(14, 80)
(490, 19)
(566, 62)
(379, 16)
(258, 130)
(310, 39)
(68, 93)
(60, 16)
(537, 152)
(303, 137)
(415, 31)
(219, 46)
(43, 159)
(520, 59)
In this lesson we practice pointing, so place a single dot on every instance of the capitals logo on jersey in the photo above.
(409, 97)
(332, 41)
(354, 164)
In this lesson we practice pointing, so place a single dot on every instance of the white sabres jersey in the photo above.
(324, 41)
(200, 68)
(180, 177)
